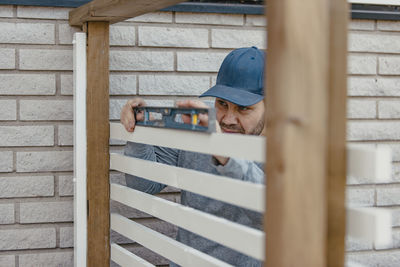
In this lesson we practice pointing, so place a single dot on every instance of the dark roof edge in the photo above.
(358, 11)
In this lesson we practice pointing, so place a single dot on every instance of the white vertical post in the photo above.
(80, 209)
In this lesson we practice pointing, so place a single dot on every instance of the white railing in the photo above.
(363, 161)
(80, 212)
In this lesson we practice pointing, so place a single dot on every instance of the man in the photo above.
(239, 109)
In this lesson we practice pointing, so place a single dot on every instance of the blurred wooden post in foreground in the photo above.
(306, 119)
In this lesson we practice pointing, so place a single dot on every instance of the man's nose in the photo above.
(230, 118)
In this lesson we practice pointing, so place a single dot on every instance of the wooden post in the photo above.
(336, 153)
(98, 132)
(304, 148)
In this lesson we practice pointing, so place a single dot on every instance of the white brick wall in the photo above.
(7, 214)
(7, 58)
(49, 110)
(161, 56)
(27, 238)
(47, 259)
(27, 84)
(27, 33)
(6, 161)
(26, 136)
(43, 212)
(141, 61)
(227, 38)
(43, 161)
(209, 18)
(173, 37)
(389, 65)
(26, 186)
(39, 59)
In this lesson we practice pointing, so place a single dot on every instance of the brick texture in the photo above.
(7, 260)
(209, 18)
(42, 12)
(26, 186)
(6, 11)
(7, 214)
(49, 110)
(154, 17)
(361, 109)
(40, 212)
(172, 85)
(8, 110)
(27, 33)
(378, 43)
(44, 161)
(362, 64)
(27, 84)
(47, 259)
(66, 186)
(223, 38)
(32, 238)
(38, 59)
(173, 37)
(6, 161)
(141, 61)
(67, 237)
(26, 136)
(204, 62)
(389, 65)
(7, 58)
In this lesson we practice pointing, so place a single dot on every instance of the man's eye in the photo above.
(222, 103)
(243, 108)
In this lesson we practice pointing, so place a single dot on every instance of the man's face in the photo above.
(238, 119)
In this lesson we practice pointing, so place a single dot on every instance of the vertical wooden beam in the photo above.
(98, 132)
(336, 153)
(297, 119)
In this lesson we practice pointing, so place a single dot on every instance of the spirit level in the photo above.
(170, 117)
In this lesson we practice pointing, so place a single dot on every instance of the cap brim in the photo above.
(236, 96)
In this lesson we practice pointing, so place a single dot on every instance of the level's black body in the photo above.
(169, 118)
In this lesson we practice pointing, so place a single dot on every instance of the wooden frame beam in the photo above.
(98, 133)
(115, 10)
(306, 119)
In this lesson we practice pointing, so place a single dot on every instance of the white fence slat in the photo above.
(248, 147)
(163, 245)
(376, 2)
(233, 235)
(80, 213)
(372, 224)
(244, 194)
(126, 258)
(370, 162)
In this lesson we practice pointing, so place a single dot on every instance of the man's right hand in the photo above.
(127, 116)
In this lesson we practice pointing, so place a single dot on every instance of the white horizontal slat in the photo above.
(233, 235)
(127, 259)
(372, 224)
(372, 163)
(163, 245)
(248, 147)
(244, 194)
(376, 2)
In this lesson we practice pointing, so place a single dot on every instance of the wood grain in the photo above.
(297, 129)
(115, 10)
(336, 152)
(98, 132)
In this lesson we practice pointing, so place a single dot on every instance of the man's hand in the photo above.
(203, 121)
(203, 118)
(127, 116)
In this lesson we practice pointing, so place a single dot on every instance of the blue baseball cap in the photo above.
(240, 78)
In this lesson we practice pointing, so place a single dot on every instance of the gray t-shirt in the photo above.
(235, 168)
